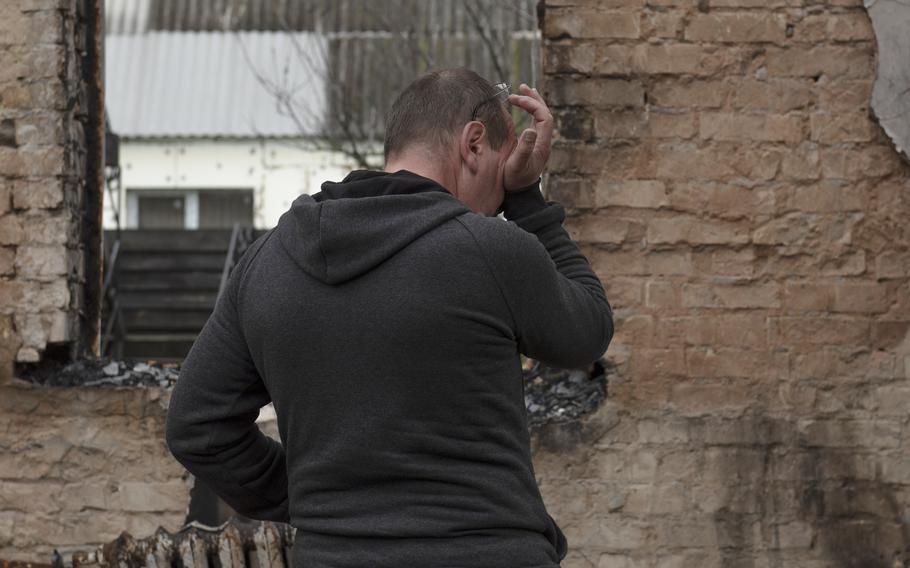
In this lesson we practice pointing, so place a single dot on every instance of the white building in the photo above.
(203, 143)
(191, 91)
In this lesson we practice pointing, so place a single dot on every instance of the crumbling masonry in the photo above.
(748, 215)
(77, 465)
(728, 180)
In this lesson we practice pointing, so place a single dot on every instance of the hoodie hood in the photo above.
(352, 226)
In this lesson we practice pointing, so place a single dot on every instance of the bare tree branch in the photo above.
(352, 120)
(486, 35)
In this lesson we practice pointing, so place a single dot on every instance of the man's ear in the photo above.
(470, 144)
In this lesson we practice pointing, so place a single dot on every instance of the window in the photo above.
(189, 208)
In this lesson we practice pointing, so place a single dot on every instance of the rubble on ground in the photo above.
(104, 372)
(552, 394)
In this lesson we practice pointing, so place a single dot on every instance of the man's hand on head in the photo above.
(529, 157)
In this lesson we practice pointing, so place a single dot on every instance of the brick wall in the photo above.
(748, 216)
(44, 160)
(79, 465)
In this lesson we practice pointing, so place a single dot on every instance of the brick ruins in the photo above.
(77, 465)
(748, 217)
(728, 180)
(51, 167)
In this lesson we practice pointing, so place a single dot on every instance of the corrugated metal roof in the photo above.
(126, 16)
(167, 78)
(369, 70)
(205, 84)
(327, 16)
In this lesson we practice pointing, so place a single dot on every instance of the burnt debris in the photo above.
(103, 372)
(552, 394)
(238, 543)
(555, 395)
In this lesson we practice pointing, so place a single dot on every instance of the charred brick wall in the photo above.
(49, 178)
(747, 214)
(77, 466)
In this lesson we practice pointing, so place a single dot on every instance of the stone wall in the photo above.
(46, 164)
(80, 465)
(749, 219)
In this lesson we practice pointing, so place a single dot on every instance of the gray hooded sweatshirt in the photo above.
(385, 319)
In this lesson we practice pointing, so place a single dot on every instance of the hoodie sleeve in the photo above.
(560, 310)
(211, 426)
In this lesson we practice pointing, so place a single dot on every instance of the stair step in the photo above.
(164, 350)
(167, 299)
(144, 262)
(164, 336)
(171, 240)
(167, 283)
(158, 320)
(170, 281)
(176, 309)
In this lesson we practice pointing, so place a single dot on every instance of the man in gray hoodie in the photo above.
(384, 317)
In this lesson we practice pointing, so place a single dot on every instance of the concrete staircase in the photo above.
(167, 283)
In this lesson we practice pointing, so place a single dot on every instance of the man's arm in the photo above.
(561, 313)
(211, 426)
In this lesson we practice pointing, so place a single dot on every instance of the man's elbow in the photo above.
(584, 349)
(173, 438)
(600, 341)
(601, 330)
(607, 335)
(183, 439)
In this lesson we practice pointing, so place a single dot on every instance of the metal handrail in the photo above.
(241, 237)
(115, 318)
(111, 263)
(110, 298)
(228, 260)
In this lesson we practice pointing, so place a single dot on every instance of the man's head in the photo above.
(431, 122)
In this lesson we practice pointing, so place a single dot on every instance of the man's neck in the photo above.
(422, 167)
